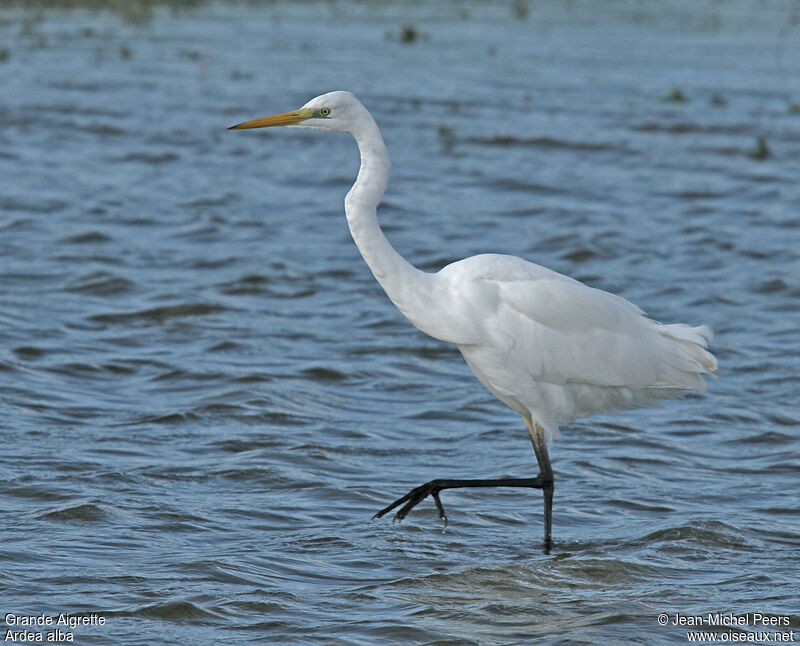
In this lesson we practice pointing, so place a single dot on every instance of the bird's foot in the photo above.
(413, 498)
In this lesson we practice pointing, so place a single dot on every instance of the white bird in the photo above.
(548, 346)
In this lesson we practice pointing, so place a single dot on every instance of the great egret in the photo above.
(546, 345)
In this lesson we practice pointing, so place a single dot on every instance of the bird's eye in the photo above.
(324, 112)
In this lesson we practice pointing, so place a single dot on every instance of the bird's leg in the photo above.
(546, 475)
(543, 481)
(432, 488)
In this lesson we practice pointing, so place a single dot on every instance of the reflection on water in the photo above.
(206, 396)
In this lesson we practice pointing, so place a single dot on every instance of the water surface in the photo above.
(205, 394)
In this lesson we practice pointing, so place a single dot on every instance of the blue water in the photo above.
(204, 395)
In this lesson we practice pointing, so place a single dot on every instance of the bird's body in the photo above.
(554, 349)
(548, 346)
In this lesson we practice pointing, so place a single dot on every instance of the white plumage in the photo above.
(550, 347)
(554, 349)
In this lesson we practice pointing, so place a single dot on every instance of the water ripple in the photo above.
(206, 396)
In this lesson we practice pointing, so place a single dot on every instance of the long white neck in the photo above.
(407, 286)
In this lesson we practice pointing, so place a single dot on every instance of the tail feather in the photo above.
(694, 342)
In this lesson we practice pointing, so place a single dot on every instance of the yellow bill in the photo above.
(283, 119)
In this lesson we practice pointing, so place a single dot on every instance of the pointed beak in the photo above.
(283, 119)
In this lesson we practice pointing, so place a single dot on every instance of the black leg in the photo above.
(543, 481)
(546, 473)
(432, 488)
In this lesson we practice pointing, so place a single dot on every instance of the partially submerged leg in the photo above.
(545, 473)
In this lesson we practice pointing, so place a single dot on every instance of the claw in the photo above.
(439, 507)
(413, 498)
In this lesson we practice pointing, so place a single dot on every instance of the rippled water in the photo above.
(205, 395)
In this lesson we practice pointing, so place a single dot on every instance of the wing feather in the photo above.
(567, 332)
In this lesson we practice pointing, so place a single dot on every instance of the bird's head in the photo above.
(336, 111)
